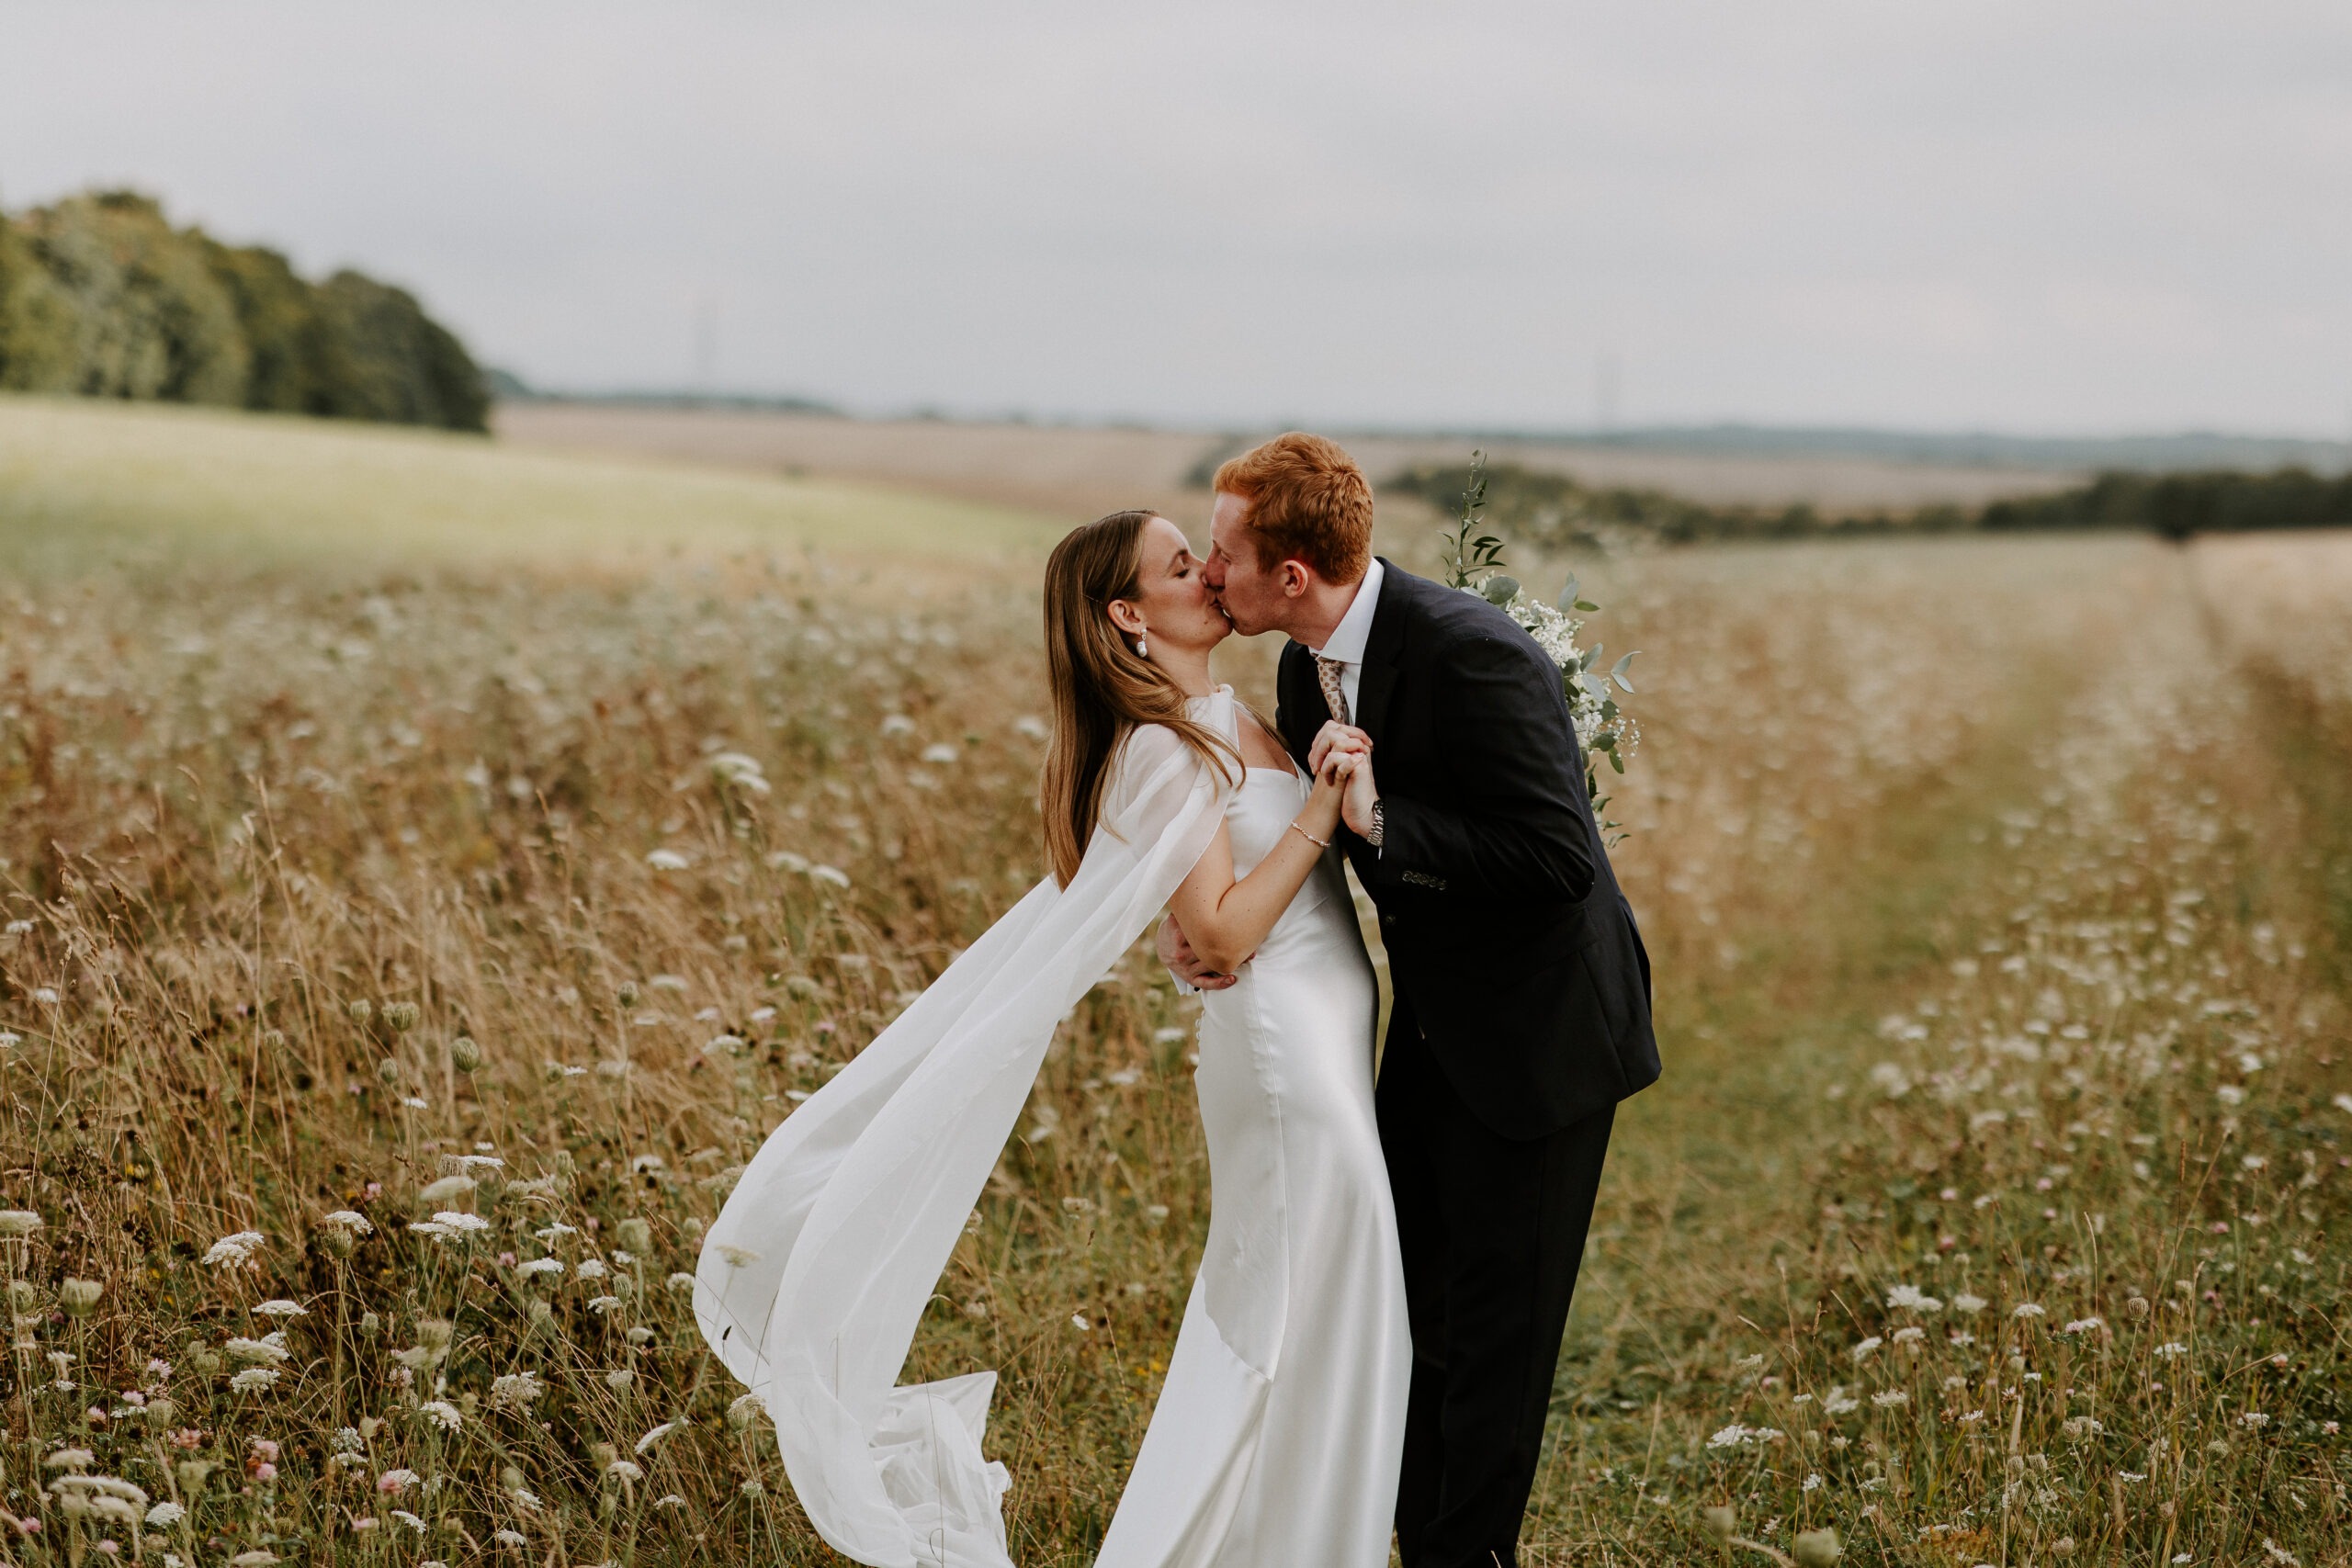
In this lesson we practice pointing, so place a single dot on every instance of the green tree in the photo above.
(100, 296)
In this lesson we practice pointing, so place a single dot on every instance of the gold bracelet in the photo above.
(1320, 843)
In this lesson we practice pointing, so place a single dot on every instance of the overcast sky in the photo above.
(2065, 215)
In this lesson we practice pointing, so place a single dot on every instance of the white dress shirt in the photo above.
(1348, 638)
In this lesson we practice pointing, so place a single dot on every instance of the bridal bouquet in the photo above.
(1474, 565)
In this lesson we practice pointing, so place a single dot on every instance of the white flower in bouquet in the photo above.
(1475, 566)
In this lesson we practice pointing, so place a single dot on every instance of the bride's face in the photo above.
(1173, 606)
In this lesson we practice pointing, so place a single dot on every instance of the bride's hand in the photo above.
(1335, 735)
(1321, 815)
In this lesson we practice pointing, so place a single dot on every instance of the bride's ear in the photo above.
(1125, 616)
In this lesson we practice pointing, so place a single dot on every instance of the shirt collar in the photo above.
(1347, 640)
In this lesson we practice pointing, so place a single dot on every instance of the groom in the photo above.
(1522, 1013)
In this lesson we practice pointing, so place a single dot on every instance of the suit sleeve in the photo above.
(1513, 829)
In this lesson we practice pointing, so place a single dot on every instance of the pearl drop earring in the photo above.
(1141, 651)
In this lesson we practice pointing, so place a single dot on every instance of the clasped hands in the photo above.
(1341, 753)
(1346, 740)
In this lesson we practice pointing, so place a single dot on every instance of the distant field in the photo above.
(1083, 472)
(78, 475)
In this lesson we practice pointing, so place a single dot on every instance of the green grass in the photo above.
(82, 481)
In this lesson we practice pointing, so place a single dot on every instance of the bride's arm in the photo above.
(1225, 920)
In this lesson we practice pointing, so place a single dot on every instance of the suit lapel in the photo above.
(1382, 650)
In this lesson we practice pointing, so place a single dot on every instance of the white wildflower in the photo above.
(253, 1379)
(2028, 1309)
(1910, 1298)
(1887, 1399)
(539, 1266)
(443, 1414)
(411, 1521)
(1911, 1335)
(19, 1223)
(2255, 1419)
(1863, 1351)
(1738, 1437)
(626, 1470)
(667, 860)
(2084, 1325)
(645, 1443)
(237, 1248)
(163, 1516)
(281, 1308)
(270, 1349)
(600, 1305)
(591, 1269)
(516, 1390)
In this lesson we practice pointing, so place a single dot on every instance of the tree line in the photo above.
(101, 297)
(1553, 511)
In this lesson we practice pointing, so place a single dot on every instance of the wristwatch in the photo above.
(1379, 823)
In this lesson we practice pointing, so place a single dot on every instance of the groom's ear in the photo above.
(1296, 577)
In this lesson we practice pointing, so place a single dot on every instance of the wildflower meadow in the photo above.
(402, 956)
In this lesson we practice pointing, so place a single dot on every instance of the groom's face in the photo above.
(1252, 597)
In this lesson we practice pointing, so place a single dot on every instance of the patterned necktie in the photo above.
(1327, 676)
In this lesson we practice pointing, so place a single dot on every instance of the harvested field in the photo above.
(1080, 472)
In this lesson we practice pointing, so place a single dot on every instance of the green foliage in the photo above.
(2180, 505)
(101, 297)
(385, 359)
(1553, 512)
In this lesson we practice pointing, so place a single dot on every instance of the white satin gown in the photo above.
(1279, 1430)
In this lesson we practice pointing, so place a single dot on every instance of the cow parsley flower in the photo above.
(233, 1250)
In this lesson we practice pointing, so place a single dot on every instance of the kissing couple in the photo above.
(1370, 1343)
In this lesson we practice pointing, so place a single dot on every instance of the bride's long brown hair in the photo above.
(1101, 688)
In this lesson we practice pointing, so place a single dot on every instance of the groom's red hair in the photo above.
(1309, 501)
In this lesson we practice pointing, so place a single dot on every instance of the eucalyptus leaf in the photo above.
(1618, 673)
(1567, 599)
(1501, 589)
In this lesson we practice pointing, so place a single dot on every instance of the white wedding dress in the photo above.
(1278, 1434)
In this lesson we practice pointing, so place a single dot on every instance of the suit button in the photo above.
(1387, 920)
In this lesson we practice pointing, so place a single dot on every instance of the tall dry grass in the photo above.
(1967, 869)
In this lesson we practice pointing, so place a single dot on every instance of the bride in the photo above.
(1278, 1434)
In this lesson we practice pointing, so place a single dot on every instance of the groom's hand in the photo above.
(1336, 737)
(1184, 963)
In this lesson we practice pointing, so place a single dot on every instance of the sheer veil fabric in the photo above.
(815, 1275)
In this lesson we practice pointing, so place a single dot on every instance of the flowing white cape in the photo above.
(816, 1273)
